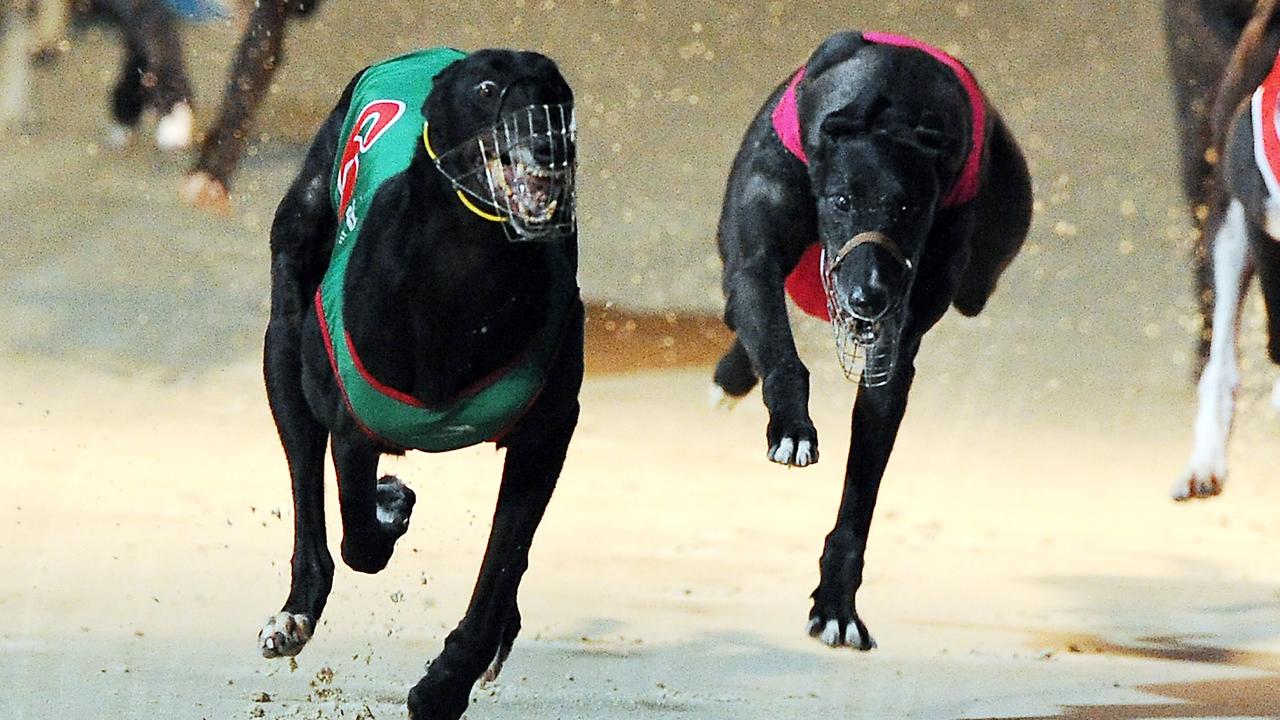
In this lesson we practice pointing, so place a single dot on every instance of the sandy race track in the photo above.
(1025, 563)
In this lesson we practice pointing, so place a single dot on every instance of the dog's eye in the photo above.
(487, 88)
(841, 202)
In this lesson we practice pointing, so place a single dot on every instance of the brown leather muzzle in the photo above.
(872, 237)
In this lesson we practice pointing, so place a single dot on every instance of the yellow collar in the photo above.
(426, 142)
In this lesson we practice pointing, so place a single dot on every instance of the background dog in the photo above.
(917, 196)
(437, 302)
(1243, 223)
(153, 78)
(1199, 38)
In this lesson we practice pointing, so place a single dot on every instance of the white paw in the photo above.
(284, 635)
(799, 453)
(173, 131)
(721, 400)
(1199, 484)
(201, 190)
(828, 633)
(1275, 395)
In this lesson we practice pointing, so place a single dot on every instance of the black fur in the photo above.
(153, 75)
(431, 274)
(885, 128)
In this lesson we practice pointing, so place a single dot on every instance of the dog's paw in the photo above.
(795, 444)
(795, 453)
(1201, 483)
(440, 696)
(173, 131)
(284, 635)
(201, 190)
(840, 633)
(394, 506)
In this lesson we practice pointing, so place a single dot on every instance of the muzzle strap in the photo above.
(871, 238)
(466, 202)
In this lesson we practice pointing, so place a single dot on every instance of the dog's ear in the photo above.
(834, 50)
(856, 117)
(931, 134)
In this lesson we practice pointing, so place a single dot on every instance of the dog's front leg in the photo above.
(484, 636)
(877, 413)
(303, 438)
(757, 310)
(536, 450)
(374, 513)
(302, 232)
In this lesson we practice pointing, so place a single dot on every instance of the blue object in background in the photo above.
(199, 10)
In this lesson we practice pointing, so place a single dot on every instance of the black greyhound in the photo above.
(880, 169)
(153, 76)
(1199, 37)
(1242, 226)
(454, 319)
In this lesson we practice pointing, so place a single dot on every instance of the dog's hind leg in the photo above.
(154, 74)
(536, 450)
(733, 378)
(375, 513)
(1207, 469)
(1002, 216)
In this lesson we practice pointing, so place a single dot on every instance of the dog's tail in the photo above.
(1253, 57)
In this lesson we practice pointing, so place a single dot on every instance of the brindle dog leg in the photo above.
(255, 63)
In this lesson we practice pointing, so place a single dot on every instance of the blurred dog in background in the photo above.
(1199, 38)
(152, 82)
(1241, 193)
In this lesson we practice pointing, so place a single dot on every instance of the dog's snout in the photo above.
(869, 301)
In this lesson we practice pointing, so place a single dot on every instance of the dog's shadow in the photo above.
(1255, 697)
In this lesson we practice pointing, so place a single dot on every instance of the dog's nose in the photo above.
(869, 301)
